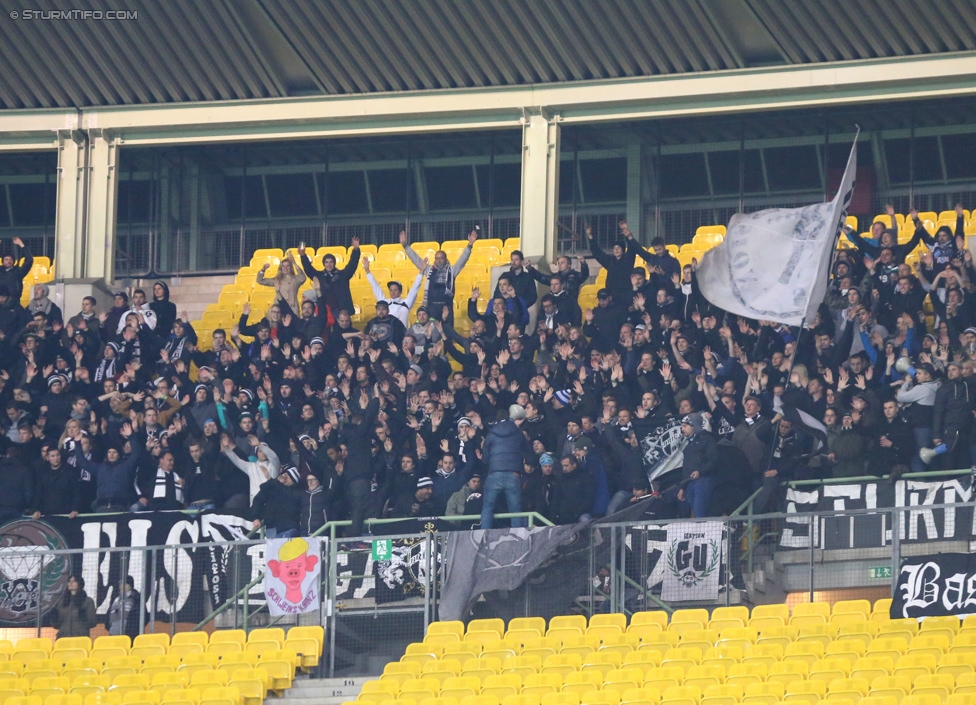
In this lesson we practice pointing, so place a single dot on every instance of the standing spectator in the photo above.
(123, 616)
(700, 464)
(440, 276)
(357, 475)
(75, 611)
(56, 487)
(399, 305)
(333, 282)
(952, 419)
(286, 281)
(12, 275)
(315, 505)
(164, 309)
(502, 455)
(277, 506)
(15, 485)
(572, 494)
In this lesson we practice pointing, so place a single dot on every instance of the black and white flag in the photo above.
(773, 264)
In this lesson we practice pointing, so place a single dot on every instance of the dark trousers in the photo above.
(359, 497)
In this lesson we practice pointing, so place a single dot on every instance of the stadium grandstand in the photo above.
(455, 352)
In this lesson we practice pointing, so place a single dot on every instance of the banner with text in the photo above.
(694, 559)
(292, 578)
(936, 585)
(922, 521)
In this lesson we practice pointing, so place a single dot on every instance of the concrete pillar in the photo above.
(72, 201)
(540, 185)
(634, 219)
(103, 188)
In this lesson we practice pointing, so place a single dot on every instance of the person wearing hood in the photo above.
(41, 303)
(917, 397)
(123, 616)
(316, 500)
(114, 476)
(164, 309)
(502, 455)
(700, 464)
(278, 505)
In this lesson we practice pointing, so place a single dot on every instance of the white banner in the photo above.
(693, 561)
(773, 264)
(292, 575)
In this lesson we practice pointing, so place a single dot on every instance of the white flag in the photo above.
(694, 561)
(774, 264)
(292, 574)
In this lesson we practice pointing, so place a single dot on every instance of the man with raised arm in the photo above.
(333, 282)
(399, 306)
(440, 275)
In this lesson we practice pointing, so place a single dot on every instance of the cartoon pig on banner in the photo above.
(291, 581)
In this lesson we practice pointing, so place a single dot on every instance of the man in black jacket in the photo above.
(333, 282)
(11, 274)
(604, 322)
(502, 454)
(358, 474)
(15, 486)
(897, 443)
(572, 494)
(199, 468)
(521, 279)
(700, 464)
(417, 503)
(952, 418)
(277, 505)
(56, 489)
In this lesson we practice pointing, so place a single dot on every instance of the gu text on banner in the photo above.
(291, 577)
(939, 584)
(773, 264)
(693, 561)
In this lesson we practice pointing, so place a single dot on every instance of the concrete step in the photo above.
(324, 691)
(315, 683)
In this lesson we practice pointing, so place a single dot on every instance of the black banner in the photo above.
(935, 585)
(921, 522)
(172, 579)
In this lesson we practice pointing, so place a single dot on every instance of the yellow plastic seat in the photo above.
(73, 642)
(200, 638)
(229, 695)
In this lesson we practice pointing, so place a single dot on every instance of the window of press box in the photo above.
(724, 170)
(928, 165)
(347, 193)
(500, 185)
(567, 180)
(132, 201)
(4, 212)
(32, 204)
(291, 194)
(245, 193)
(683, 175)
(388, 190)
(793, 168)
(450, 187)
(959, 153)
(604, 180)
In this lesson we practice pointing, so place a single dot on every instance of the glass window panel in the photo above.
(450, 187)
(291, 194)
(793, 168)
(347, 192)
(724, 168)
(604, 180)
(683, 175)
(32, 203)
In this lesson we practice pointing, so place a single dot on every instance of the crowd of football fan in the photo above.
(315, 420)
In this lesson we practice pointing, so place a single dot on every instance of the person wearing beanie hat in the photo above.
(563, 396)
(502, 454)
(619, 263)
(278, 504)
(419, 503)
(700, 464)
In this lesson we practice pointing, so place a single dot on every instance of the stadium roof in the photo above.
(187, 51)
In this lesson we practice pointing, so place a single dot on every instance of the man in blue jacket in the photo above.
(502, 455)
